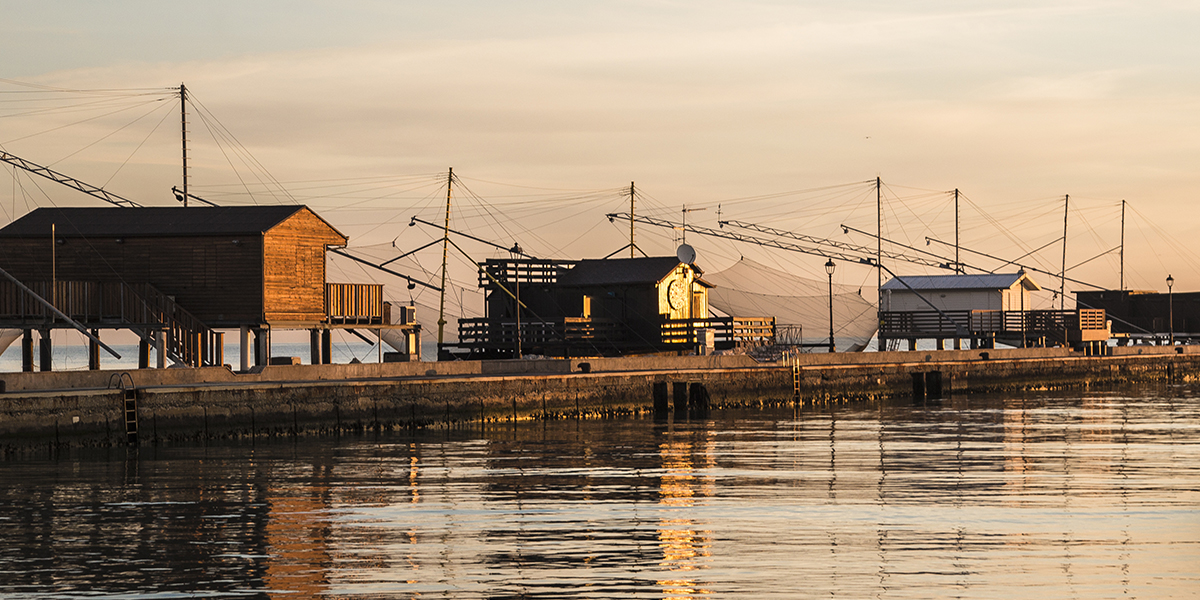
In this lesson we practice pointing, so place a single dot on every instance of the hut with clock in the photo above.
(606, 307)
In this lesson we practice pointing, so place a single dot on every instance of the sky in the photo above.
(776, 113)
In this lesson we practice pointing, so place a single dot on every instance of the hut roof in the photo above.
(154, 221)
(986, 281)
(621, 271)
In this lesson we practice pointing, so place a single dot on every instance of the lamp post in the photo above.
(829, 267)
(1170, 309)
(1021, 291)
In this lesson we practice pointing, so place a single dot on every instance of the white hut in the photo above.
(1000, 291)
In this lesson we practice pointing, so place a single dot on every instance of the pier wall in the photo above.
(83, 408)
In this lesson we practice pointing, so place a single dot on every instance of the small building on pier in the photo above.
(608, 307)
(1147, 315)
(983, 309)
(175, 275)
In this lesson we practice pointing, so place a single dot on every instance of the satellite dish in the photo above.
(686, 254)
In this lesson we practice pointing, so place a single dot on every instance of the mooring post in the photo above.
(661, 403)
(679, 393)
(697, 399)
(918, 383)
(933, 385)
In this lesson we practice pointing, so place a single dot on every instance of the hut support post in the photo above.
(27, 351)
(94, 352)
(326, 347)
(314, 346)
(160, 348)
(143, 354)
(46, 352)
(218, 355)
(243, 345)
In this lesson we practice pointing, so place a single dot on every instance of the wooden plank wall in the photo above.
(294, 268)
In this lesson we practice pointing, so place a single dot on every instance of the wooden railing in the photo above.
(139, 307)
(579, 335)
(729, 332)
(354, 303)
(899, 324)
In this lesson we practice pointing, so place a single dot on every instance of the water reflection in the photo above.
(1041, 495)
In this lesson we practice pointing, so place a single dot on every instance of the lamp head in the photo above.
(1170, 281)
(829, 267)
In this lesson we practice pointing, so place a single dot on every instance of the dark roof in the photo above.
(620, 271)
(151, 221)
(986, 281)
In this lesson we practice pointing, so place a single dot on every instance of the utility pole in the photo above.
(183, 128)
(1122, 244)
(445, 248)
(957, 263)
(1062, 285)
(53, 266)
(879, 254)
(632, 247)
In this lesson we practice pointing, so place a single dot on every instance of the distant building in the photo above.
(1146, 314)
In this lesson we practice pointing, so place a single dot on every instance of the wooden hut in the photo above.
(254, 268)
(597, 307)
(984, 308)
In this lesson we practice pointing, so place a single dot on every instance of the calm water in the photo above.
(1041, 496)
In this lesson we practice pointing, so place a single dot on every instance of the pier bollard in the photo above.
(661, 403)
(918, 382)
(933, 385)
(698, 400)
(679, 394)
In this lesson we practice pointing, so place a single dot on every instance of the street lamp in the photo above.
(829, 267)
(1170, 308)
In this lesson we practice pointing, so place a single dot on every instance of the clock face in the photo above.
(677, 294)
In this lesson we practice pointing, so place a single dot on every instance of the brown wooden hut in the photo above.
(195, 269)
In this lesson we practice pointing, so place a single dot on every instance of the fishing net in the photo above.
(800, 306)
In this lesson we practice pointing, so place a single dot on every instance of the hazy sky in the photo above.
(1015, 103)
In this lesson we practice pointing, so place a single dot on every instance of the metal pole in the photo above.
(631, 244)
(879, 254)
(445, 246)
(183, 129)
(1062, 285)
(1122, 245)
(1171, 309)
(829, 269)
(957, 262)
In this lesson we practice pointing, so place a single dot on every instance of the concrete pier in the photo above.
(87, 407)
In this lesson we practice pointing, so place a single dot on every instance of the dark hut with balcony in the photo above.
(174, 275)
(609, 307)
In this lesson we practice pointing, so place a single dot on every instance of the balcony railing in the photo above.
(579, 336)
(354, 303)
(951, 323)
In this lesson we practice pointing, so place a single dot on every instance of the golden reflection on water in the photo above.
(685, 547)
(296, 535)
